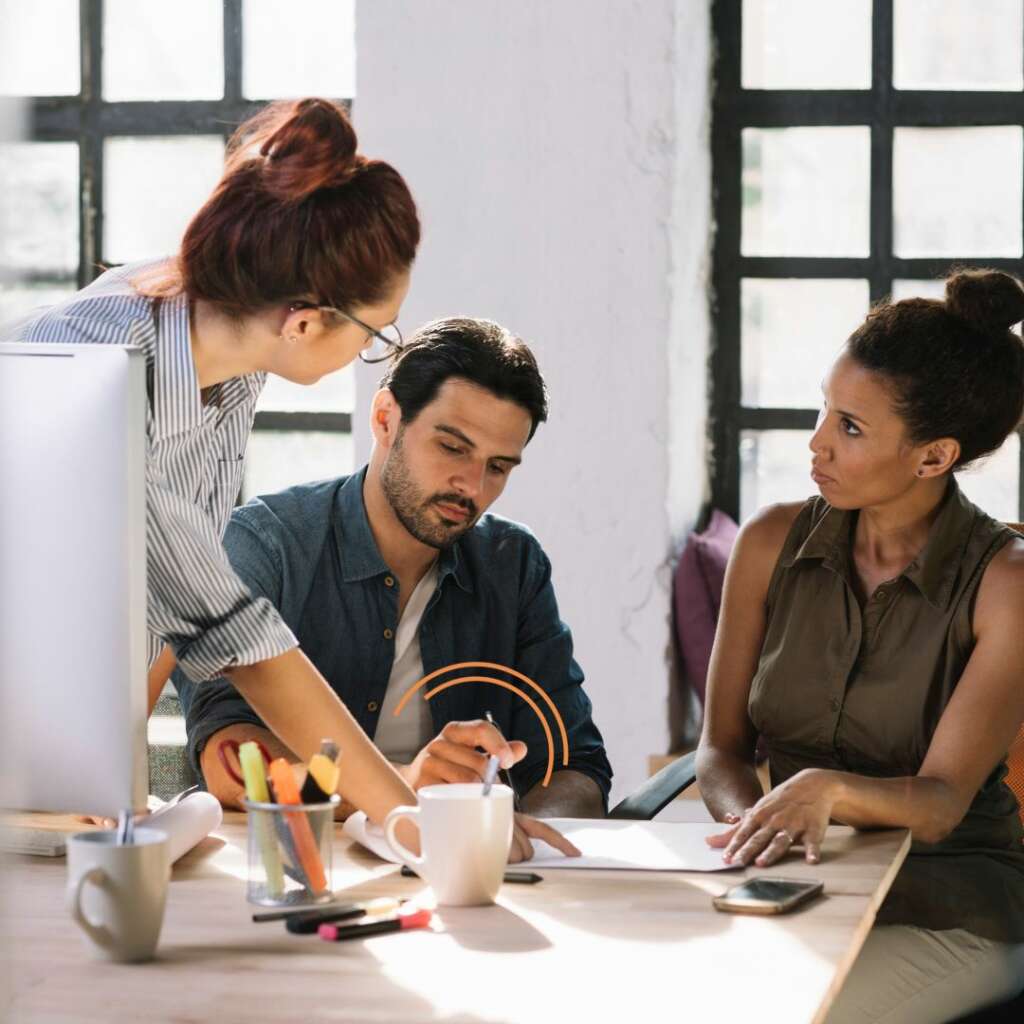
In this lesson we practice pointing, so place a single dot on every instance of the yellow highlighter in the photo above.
(254, 773)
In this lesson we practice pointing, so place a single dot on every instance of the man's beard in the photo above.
(414, 511)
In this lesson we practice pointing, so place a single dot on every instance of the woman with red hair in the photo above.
(297, 263)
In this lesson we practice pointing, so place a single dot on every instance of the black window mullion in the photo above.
(881, 205)
(804, 266)
(90, 143)
(727, 199)
(765, 418)
(325, 422)
(233, 51)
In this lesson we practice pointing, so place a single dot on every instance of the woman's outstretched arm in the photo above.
(725, 757)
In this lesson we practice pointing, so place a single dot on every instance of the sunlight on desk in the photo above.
(580, 945)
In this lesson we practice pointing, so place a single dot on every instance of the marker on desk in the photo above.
(254, 772)
(323, 908)
(513, 877)
(287, 792)
(506, 778)
(401, 923)
(309, 922)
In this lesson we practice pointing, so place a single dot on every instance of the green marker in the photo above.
(254, 773)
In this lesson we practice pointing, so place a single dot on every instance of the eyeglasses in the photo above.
(386, 342)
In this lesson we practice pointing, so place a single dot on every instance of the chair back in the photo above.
(1015, 756)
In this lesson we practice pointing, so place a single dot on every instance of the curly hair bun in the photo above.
(988, 300)
(306, 145)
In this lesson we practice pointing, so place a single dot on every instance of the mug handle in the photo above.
(98, 933)
(403, 853)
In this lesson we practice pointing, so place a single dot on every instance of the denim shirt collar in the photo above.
(358, 554)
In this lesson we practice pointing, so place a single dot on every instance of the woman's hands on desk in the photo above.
(798, 811)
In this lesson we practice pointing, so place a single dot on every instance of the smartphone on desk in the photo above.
(765, 895)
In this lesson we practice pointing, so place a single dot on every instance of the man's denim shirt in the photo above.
(309, 550)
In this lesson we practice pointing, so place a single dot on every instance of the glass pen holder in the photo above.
(289, 853)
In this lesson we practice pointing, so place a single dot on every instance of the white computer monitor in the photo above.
(72, 578)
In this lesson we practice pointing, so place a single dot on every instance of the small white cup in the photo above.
(465, 839)
(116, 894)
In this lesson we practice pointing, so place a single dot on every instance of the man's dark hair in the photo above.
(479, 351)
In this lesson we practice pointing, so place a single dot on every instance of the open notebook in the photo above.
(186, 822)
(607, 844)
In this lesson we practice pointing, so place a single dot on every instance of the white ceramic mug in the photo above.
(116, 894)
(465, 838)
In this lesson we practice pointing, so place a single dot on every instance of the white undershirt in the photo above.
(401, 739)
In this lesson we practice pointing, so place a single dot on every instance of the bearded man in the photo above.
(400, 570)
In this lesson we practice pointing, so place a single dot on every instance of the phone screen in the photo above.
(770, 890)
(767, 895)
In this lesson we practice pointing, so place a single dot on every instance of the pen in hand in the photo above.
(490, 774)
(503, 774)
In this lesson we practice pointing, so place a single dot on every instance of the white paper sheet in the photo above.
(611, 844)
(605, 844)
(357, 827)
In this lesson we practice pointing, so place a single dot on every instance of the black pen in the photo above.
(520, 877)
(505, 776)
(309, 924)
(385, 905)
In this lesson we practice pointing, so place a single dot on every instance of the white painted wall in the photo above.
(558, 152)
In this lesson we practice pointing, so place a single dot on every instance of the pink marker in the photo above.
(401, 923)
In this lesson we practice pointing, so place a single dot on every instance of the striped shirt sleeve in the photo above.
(197, 603)
(195, 600)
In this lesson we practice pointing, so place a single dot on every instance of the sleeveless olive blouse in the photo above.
(861, 689)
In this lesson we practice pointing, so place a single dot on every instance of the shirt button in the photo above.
(388, 634)
(389, 581)
(881, 594)
(834, 704)
(372, 706)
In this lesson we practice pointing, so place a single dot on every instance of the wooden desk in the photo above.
(582, 946)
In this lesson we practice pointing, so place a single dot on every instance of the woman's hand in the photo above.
(527, 828)
(798, 811)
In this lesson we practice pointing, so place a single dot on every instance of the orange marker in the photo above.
(287, 792)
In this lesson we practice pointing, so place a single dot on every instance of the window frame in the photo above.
(882, 108)
(89, 119)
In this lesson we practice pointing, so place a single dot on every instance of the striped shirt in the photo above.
(195, 447)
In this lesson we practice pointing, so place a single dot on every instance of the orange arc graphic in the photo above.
(406, 697)
(515, 689)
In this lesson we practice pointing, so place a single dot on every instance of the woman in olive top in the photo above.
(874, 638)
(297, 263)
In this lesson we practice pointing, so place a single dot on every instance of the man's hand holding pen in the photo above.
(452, 756)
